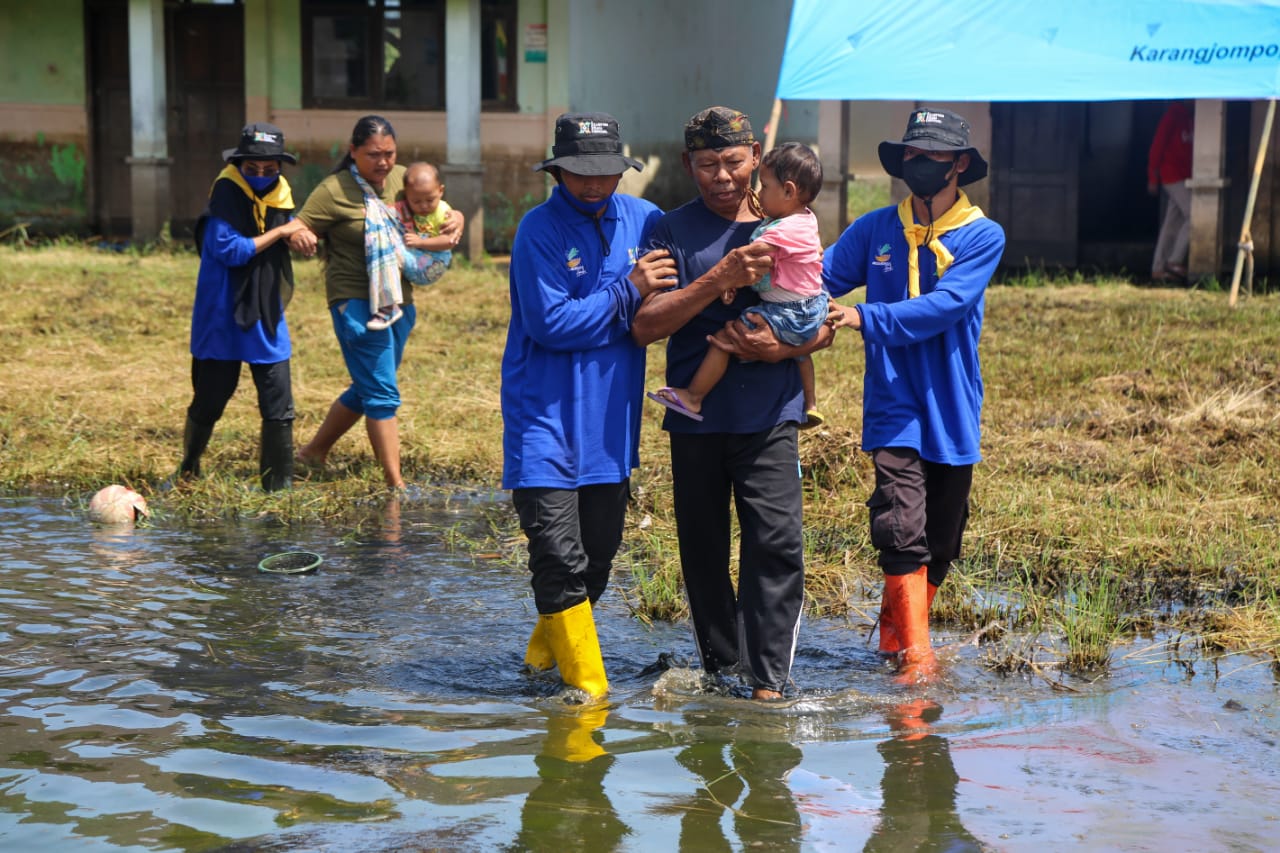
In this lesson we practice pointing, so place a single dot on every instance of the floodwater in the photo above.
(158, 692)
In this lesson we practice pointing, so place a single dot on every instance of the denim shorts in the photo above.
(793, 323)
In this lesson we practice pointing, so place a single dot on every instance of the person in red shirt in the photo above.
(1168, 168)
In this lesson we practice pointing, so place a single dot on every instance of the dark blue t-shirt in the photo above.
(752, 396)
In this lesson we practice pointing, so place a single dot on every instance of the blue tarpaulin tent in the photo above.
(1031, 50)
(1037, 50)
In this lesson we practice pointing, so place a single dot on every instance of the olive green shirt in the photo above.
(335, 209)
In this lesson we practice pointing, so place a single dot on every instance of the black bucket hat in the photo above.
(932, 129)
(589, 144)
(260, 141)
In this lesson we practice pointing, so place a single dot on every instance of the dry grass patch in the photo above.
(1128, 432)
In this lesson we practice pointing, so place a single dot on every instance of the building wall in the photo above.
(40, 63)
(651, 64)
(654, 64)
(510, 141)
(43, 120)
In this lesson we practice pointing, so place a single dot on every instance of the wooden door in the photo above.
(1035, 181)
(205, 58)
(110, 201)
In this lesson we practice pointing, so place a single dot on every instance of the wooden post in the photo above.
(1245, 246)
(771, 131)
(845, 111)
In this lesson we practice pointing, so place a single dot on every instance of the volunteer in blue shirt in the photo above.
(573, 382)
(745, 447)
(242, 288)
(925, 264)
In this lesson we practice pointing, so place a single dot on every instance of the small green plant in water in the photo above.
(655, 592)
(1091, 620)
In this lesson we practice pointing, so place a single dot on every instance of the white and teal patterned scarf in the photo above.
(384, 250)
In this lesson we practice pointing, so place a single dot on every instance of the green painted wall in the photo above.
(531, 77)
(42, 52)
(284, 30)
(42, 185)
(42, 62)
(273, 52)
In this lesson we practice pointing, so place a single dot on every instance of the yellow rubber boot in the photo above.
(909, 599)
(572, 637)
(538, 656)
(570, 737)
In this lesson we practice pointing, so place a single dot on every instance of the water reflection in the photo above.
(747, 779)
(158, 692)
(918, 789)
(570, 808)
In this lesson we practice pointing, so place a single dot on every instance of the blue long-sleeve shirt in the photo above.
(572, 377)
(923, 383)
(214, 332)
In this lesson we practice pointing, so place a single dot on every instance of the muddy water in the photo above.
(157, 692)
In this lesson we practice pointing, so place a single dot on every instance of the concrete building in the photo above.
(113, 114)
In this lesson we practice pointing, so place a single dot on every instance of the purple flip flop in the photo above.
(673, 403)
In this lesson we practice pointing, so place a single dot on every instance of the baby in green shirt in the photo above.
(423, 212)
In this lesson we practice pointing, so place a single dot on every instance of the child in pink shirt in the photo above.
(792, 300)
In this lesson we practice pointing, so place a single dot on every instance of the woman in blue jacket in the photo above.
(244, 284)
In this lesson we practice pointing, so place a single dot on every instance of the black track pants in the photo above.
(756, 628)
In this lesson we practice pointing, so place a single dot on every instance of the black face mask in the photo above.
(926, 177)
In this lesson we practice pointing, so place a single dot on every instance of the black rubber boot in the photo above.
(195, 438)
(276, 459)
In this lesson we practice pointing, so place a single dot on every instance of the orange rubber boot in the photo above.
(909, 600)
(911, 720)
(890, 644)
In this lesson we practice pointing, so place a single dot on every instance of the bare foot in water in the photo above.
(765, 695)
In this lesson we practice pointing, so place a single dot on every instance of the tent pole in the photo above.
(843, 216)
(1246, 236)
(770, 133)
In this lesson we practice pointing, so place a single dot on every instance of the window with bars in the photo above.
(389, 54)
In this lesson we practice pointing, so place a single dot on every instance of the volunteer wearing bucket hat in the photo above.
(243, 286)
(745, 446)
(925, 264)
(572, 384)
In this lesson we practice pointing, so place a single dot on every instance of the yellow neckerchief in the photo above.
(280, 196)
(959, 215)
